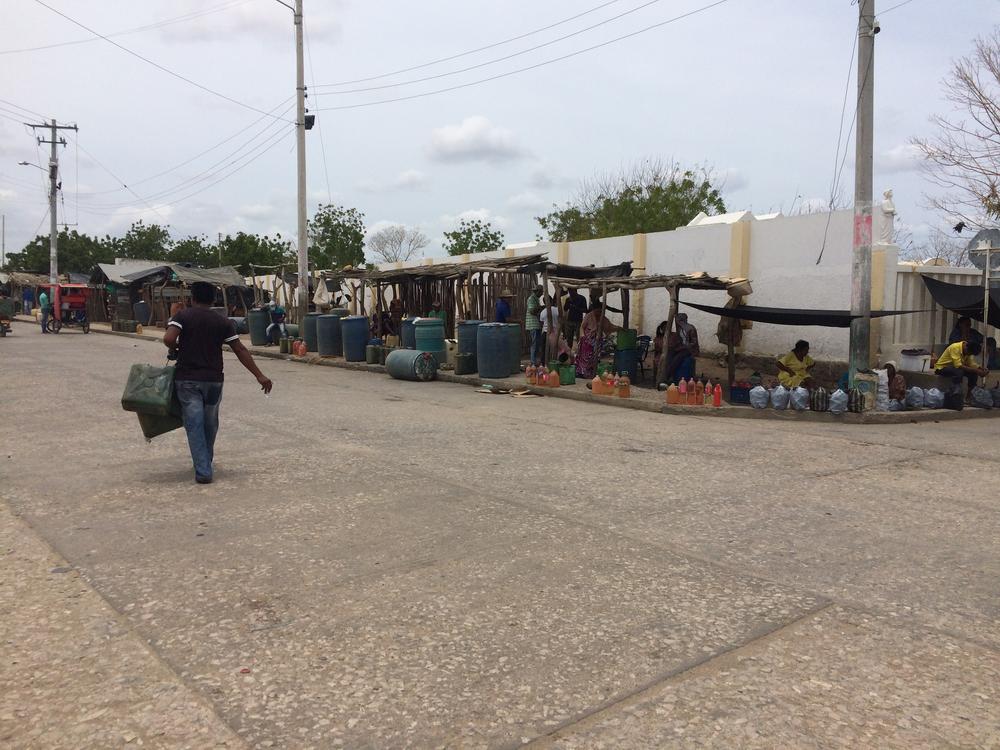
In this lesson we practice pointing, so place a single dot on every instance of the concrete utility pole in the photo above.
(53, 141)
(861, 266)
(300, 147)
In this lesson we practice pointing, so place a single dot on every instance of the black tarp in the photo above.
(964, 300)
(783, 316)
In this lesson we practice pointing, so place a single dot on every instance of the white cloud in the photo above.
(475, 139)
(902, 158)
(528, 200)
(410, 179)
(7, 194)
(448, 221)
(250, 19)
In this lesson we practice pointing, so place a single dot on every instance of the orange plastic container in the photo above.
(673, 394)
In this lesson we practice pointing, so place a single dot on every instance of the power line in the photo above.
(898, 5)
(156, 65)
(24, 109)
(319, 123)
(478, 49)
(137, 29)
(197, 156)
(498, 59)
(208, 172)
(281, 137)
(98, 162)
(498, 76)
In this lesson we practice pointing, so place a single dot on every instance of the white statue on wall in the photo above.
(888, 219)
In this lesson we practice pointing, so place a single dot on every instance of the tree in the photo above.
(473, 236)
(78, 253)
(964, 156)
(194, 250)
(951, 250)
(648, 197)
(246, 249)
(143, 242)
(396, 243)
(337, 237)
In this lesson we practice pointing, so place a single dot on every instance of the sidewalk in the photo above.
(643, 399)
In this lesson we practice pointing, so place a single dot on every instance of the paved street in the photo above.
(388, 564)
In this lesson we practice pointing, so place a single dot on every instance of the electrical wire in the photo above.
(116, 177)
(208, 173)
(24, 109)
(206, 187)
(197, 156)
(498, 76)
(478, 49)
(319, 121)
(894, 7)
(497, 59)
(137, 29)
(156, 65)
(39, 227)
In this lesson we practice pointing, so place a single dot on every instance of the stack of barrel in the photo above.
(468, 343)
(498, 349)
(626, 354)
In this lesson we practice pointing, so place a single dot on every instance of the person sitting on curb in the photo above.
(958, 363)
(795, 368)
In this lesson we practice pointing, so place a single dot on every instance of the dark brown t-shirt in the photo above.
(199, 348)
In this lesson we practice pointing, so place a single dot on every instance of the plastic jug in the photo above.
(531, 374)
(673, 394)
(699, 393)
(717, 395)
(554, 378)
(624, 387)
(708, 394)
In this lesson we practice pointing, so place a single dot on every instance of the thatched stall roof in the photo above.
(699, 280)
(443, 270)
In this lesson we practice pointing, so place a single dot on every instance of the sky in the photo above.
(752, 89)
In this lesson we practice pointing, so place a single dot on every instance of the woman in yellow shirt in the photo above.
(795, 368)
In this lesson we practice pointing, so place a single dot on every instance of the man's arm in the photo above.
(171, 336)
(246, 359)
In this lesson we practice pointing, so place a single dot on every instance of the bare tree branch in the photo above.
(396, 243)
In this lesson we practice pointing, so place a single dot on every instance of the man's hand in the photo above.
(265, 383)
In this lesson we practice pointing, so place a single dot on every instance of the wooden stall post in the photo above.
(661, 375)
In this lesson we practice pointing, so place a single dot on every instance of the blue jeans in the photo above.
(200, 412)
(45, 318)
(537, 345)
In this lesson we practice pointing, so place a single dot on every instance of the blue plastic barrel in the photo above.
(429, 337)
(514, 347)
(258, 320)
(354, 331)
(328, 338)
(309, 331)
(141, 312)
(627, 361)
(467, 336)
(408, 334)
(492, 355)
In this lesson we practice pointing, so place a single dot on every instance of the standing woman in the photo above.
(659, 342)
(595, 326)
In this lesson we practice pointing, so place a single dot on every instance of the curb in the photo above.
(637, 404)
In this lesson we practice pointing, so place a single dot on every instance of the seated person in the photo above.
(795, 368)
(276, 330)
(897, 383)
(436, 311)
(992, 358)
(680, 360)
(957, 362)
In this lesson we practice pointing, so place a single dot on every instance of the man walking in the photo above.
(43, 304)
(197, 334)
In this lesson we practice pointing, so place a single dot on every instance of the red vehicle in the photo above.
(69, 306)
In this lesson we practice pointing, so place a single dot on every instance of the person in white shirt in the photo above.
(550, 313)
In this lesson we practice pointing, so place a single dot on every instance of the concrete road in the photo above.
(390, 564)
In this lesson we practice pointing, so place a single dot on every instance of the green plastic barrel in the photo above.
(309, 331)
(258, 320)
(626, 338)
(513, 347)
(408, 364)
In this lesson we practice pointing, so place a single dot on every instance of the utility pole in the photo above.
(53, 141)
(3, 240)
(861, 265)
(300, 146)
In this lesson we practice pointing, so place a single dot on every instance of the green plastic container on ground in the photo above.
(567, 374)
(371, 354)
(150, 390)
(626, 338)
(465, 364)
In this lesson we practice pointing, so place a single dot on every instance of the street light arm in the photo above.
(286, 5)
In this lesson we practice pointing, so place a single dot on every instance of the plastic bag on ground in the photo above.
(933, 398)
(896, 405)
(799, 399)
(779, 397)
(915, 398)
(759, 397)
(996, 396)
(982, 398)
(838, 402)
(882, 391)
